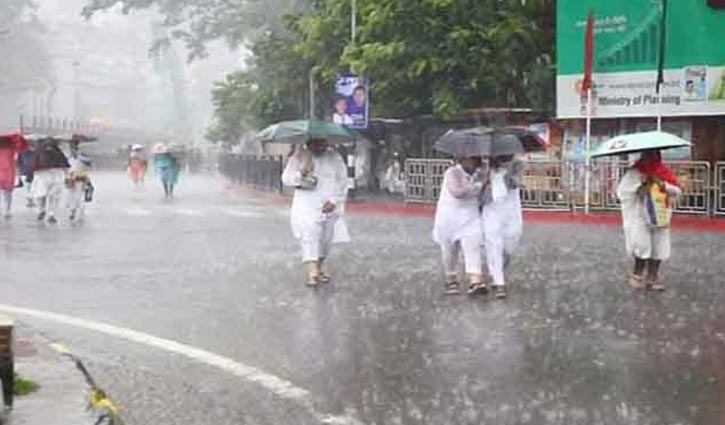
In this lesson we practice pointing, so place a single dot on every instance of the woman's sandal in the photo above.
(477, 288)
(499, 291)
(313, 281)
(636, 282)
(325, 278)
(452, 288)
(655, 286)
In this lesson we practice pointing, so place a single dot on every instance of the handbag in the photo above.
(657, 206)
(88, 190)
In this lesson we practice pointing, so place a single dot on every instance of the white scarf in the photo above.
(498, 185)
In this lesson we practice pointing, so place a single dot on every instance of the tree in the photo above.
(196, 22)
(421, 56)
(25, 63)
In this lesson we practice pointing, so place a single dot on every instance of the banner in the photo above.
(627, 38)
(351, 105)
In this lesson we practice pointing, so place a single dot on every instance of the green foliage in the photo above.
(422, 56)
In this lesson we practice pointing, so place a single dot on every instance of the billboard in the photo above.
(352, 102)
(626, 43)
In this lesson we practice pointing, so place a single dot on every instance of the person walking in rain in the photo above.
(137, 166)
(457, 227)
(79, 181)
(647, 192)
(167, 167)
(319, 176)
(49, 176)
(10, 145)
(501, 217)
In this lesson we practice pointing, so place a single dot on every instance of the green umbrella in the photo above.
(638, 142)
(302, 131)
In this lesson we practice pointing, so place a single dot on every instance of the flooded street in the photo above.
(217, 270)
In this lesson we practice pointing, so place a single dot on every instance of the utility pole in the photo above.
(353, 21)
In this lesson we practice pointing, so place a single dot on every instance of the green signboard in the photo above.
(626, 52)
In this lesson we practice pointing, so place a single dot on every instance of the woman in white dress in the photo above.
(319, 176)
(647, 239)
(457, 227)
(501, 217)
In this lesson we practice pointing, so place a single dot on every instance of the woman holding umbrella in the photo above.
(457, 226)
(167, 167)
(10, 146)
(647, 192)
(319, 176)
(137, 166)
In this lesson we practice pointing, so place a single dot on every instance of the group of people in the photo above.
(478, 215)
(166, 165)
(50, 176)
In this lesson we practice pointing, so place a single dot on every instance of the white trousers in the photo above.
(470, 246)
(317, 239)
(6, 199)
(502, 231)
(75, 197)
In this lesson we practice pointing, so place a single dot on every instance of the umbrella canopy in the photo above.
(302, 131)
(531, 141)
(138, 147)
(160, 148)
(638, 142)
(15, 139)
(479, 142)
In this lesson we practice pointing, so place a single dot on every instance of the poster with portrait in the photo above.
(351, 104)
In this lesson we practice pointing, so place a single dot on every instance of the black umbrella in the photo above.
(479, 142)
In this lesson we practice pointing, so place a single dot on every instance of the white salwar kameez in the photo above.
(75, 195)
(315, 230)
(457, 221)
(47, 189)
(642, 240)
(502, 224)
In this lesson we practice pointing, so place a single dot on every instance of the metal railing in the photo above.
(424, 178)
(696, 195)
(720, 188)
(559, 185)
(262, 172)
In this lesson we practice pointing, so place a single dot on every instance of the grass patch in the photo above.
(24, 386)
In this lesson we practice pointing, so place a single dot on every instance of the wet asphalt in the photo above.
(217, 269)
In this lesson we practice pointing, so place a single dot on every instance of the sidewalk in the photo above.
(398, 207)
(61, 398)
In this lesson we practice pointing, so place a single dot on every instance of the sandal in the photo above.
(636, 282)
(477, 288)
(313, 281)
(655, 286)
(452, 288)
(499, 291)
(325, 278)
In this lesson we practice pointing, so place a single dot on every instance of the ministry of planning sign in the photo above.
(626, 45)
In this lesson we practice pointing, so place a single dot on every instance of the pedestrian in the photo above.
(137, 166)
(167, 167)
(49, 178)
(392, 181)
(26, 159)
(501, 217)
(319, 176)
(10, 145)
(78, 182)
(647, 192)
(457, 227)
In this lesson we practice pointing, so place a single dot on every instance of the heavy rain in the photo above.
(362, 212)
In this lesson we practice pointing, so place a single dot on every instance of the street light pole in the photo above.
(353, 21)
